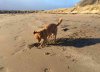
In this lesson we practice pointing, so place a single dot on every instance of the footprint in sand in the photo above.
(47, 53)
(46, 70)
(50, 53)
(1, 67)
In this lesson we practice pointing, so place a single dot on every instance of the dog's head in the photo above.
(37, 35)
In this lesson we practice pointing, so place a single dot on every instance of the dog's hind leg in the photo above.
(55, 38)
(55, 35)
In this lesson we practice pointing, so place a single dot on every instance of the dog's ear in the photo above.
(34, 32)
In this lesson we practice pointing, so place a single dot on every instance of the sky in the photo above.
(36, 4)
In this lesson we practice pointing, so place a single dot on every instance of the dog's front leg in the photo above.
(42, 43)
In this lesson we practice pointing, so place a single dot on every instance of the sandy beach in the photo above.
(77, 48)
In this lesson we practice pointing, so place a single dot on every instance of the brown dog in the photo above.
(47, 31)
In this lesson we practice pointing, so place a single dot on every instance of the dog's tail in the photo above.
(59, 22)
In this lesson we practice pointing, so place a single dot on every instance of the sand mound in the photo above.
(85, 6)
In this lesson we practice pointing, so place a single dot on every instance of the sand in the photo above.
(77, 48)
